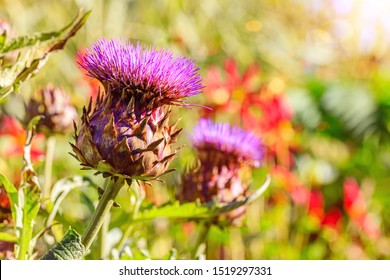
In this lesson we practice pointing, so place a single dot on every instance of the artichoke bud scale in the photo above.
(133, 143)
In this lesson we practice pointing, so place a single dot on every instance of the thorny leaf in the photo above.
(195, 210)
(69, 248)
(33, 53)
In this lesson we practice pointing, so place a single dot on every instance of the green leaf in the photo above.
(12, 193)
(3, 39)
(29, 197)
(8, 237)
(33, 122)
(195, 210)
(25, 203)
(61, 189)
(69, 248)
(33, 53)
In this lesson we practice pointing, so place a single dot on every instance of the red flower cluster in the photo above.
(227, 94)
(262, 108)
(313, 200)
(331, 219)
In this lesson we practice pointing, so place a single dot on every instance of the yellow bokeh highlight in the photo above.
(253, 26)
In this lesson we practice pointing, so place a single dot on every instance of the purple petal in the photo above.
(230, 140)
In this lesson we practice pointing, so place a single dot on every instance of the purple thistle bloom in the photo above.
(225, 153)
(127, 132)
(232, 141)
(152, 76)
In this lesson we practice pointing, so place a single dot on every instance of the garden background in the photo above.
(310, 78)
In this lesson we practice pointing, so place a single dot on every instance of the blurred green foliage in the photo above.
(330, 59)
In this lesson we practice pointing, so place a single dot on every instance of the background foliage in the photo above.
(311, 78)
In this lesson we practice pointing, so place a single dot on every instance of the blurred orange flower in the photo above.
(93, 84)
(12, 128)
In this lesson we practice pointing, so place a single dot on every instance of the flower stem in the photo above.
(200, 245)
(50, 147)
(102, 237)
(104, 206)
(139, 196)
(102, 248)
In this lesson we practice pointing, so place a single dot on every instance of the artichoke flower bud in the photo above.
(54, 106)
(127, 133)
(226, 154)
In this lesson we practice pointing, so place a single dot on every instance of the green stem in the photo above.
(139, 197)
(124, 237)
(50, 147)
(104, 206)
(102, 249)
(200, 244)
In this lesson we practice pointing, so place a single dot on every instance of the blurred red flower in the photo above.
(268, 115)
(316, 205)
(10, 127)
(265, 111)
(5, 207)
(299, 193)
(226, 94)
(355, 206)
(332, 219)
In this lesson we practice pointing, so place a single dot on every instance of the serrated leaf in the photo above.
(29, 41)
(69, 248)
(33, 53)
(195, 210)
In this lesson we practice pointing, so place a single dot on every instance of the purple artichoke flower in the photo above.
(225, 155)
(237, 146)
(128, 133)
(153, 77)
(54, 106)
